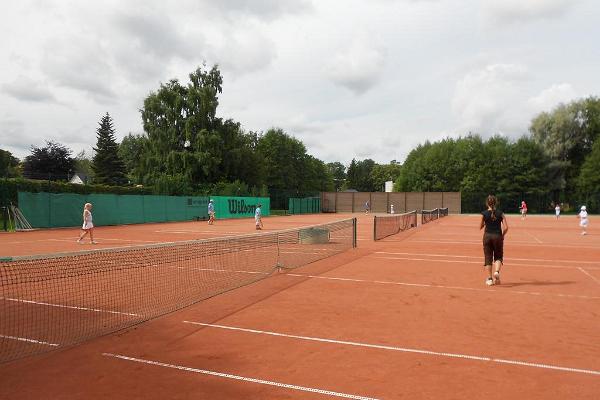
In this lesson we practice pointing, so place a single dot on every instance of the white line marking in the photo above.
(481, 262)
(511, 242)
(223, 270)
(29, 340)
(590, 275)
(241, 378)
(535, 238)
(70, 307)
(463, 256)
(425, 285)
(402, 349)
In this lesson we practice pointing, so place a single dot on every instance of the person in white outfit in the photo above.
(88, 225)
(557, 210)
(258, 218)
(583, 220)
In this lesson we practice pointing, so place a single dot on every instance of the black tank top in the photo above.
(493, 226)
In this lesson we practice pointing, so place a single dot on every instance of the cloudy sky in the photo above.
(350, 78)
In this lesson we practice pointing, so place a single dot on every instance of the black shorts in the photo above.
(493, 248)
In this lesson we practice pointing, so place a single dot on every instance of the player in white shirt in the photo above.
(583, 220)
(557, 210)
(88, 225)
(258, 218)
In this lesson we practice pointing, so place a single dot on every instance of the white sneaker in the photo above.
(496, 278)
(489, 281)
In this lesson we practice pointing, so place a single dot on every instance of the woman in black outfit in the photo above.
(496, 227)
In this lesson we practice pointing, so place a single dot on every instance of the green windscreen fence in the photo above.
(240, 207)
(51, 210)
(307, 205)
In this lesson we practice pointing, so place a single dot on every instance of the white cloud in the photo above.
(25, 89)
(508, 11)
(551, 97)
(359, 67)
(486, 101)
(262, 9)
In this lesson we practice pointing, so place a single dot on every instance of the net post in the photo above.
(354, 233)
(375, 227)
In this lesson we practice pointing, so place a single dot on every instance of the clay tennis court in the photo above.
(408, 317)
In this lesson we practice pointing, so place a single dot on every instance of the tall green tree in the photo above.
(589, 177)
(337, 170)
(131, 149)
(181, 125)
(382, 173)
(83, 165)
(8, 164)
(567, 134)
(359, 175)
(283, 159)
(108, 167)
(52, 162)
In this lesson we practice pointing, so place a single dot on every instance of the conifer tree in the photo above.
(109, 168)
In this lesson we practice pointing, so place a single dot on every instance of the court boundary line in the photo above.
(240, 378)
(41, 303)
(427, 285)
(481, 263)
(463, 256)
(590, 275)
(22, 339)
(401, 349)
(524, 244)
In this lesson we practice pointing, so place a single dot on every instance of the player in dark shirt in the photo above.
(496, 227)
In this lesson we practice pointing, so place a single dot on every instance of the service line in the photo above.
(426, 285)
(403, 349)
(241, 378)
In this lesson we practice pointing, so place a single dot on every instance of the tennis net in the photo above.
(384, 226)
(49, 302)
(432, 215)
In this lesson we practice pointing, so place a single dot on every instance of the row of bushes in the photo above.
(11, 186)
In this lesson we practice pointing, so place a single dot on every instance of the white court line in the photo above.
(535, 238)
(590, 275)
(481, 263)
(512, 258)
(426, 285)
(222, 270)
(511, 242)
(29, 340)
(104, 239)
(195, 231)
(403, 349)
(242, 378)
(69, 307)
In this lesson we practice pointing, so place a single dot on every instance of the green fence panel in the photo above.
(36, 208)
(66, 209)
(175, 208)
(307, 205)
(240, 207)
(196, 207)
(131, 209)
(45, 210)
(155, 208)
(105, 208)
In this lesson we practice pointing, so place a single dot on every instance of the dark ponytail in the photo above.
(491, 203)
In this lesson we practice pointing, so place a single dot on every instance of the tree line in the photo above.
(187, 149)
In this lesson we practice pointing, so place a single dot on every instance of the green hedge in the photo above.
(10, 187)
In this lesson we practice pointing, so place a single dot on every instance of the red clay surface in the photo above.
(408, 317)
